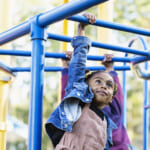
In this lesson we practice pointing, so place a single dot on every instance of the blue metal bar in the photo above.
(15, 52)
(146, 116)
(101, 45)
(60, 55)
(15, 32)
(6, 69)
(115, 59)
(111, 25)
(37, 77)
(119, 48)
(124, 89)
(144, 74)
(52, 16)
(124, 100)
(119, 68)
(68, 9)
(139, 59)
(147, 106)
(59, 37)
(27, 69)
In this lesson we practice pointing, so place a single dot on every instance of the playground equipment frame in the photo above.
(36, 26)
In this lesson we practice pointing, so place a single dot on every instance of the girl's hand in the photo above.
(107, 62)
(81, 26)
(65, 62)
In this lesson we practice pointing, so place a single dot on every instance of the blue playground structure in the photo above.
(37, 28)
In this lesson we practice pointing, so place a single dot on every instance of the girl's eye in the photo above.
(98, 81)
(109, 85)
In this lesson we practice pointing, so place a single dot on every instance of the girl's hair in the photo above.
(90, 74)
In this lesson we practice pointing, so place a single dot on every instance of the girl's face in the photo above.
(102, 85)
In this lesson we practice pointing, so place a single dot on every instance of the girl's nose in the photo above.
(103, 85)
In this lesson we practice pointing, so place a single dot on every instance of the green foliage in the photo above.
(132, 12)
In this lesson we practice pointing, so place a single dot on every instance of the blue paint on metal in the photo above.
(146, 99)
(47, 69)
(111, 25)
(124, 83)
(139, 59)
(101, 45)
(119, 48)
(145, 113)
(7, 69)
(37, 76)
(60, 55)
(147, 106)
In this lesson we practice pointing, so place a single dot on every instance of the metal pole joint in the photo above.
(38, 32)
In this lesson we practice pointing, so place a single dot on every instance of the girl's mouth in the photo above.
(101, 93)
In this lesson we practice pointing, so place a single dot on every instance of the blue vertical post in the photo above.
(37, 76)
(145, 113)
(124, 99)
(124, 96)
(145, 102)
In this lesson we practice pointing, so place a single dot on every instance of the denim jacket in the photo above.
(69, 110)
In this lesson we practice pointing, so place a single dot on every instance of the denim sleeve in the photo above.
(77, 90)
(69, 110)
(76, 87)
(77, 64)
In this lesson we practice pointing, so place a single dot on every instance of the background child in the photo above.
(120, 138)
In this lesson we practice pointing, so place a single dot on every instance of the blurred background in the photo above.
(13, 12)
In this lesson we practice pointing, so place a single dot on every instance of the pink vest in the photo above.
(89, 133)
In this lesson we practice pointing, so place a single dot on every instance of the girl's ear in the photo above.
(113, 97)
(115, 90)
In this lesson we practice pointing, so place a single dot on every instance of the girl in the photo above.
(80, 113)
